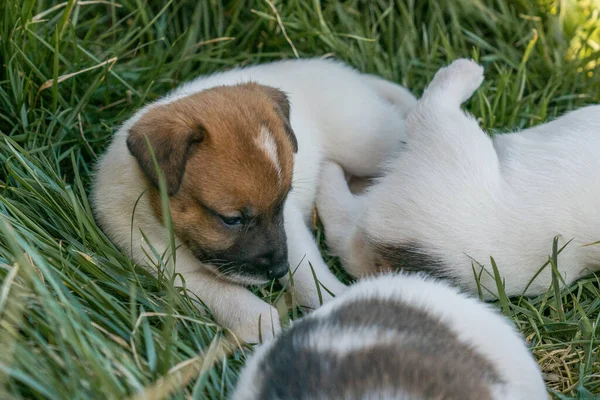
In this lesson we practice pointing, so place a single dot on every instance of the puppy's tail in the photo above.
(398, 95)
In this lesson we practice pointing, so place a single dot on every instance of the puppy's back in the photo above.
(395, 337)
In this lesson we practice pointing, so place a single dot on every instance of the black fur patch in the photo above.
(426, 360)
(410, 257)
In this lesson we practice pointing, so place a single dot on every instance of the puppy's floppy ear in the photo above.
(282, 107)
(171, 140)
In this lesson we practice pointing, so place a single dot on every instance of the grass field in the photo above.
(77, 319)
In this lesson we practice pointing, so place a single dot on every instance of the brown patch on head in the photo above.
(170, 138)
(211, 148)
(283, 110)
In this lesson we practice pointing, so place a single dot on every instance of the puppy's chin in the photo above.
(246, 280)
(232, 271)
(236, 277)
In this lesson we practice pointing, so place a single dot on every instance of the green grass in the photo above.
(78, 319)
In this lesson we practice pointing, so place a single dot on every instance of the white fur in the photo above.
(267, 144)
(341, 341)
(461, 196)
(473, 322)
(336, 113)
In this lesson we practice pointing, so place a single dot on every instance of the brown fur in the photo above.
(206, 147)
(359, 185)
(364, 260)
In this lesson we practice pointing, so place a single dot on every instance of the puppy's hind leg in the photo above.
(439, 130)
(454, 84)
(340, 212)
(338, 208)
(305, 259)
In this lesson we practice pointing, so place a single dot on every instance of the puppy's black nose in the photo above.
(274, 264)
(277, 271)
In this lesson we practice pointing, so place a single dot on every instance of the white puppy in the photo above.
(454, 197)
(232, 129)
(396, 337)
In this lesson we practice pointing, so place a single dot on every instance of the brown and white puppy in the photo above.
(231, 188)
(231, 148)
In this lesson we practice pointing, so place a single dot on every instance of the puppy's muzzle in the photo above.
(274, 263)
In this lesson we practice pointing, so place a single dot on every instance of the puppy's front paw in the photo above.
(456, 82)
(256, 325)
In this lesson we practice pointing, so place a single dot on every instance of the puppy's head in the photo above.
(227, 156)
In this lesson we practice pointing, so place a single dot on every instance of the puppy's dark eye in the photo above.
(231, 221)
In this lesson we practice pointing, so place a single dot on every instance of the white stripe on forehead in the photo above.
(266, 143)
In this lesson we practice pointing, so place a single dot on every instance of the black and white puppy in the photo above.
(395, 337)
(454, 197)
